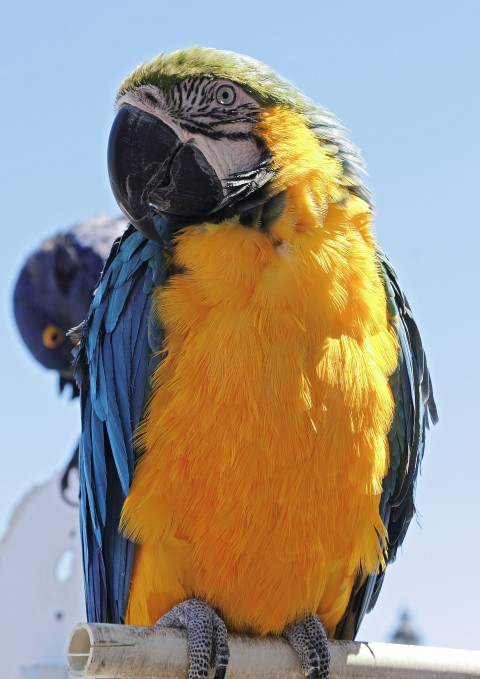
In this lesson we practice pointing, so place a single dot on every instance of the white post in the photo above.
(124, 652)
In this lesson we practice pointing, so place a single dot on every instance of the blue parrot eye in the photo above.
(225, 95)
(53, 337)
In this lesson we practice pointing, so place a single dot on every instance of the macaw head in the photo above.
(54, 290)
(42, 308)
(208, 135)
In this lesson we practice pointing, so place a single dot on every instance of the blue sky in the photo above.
(404, 78)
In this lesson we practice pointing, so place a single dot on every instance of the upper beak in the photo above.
(152, 171)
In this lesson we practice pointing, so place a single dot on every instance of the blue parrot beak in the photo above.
(153, 173)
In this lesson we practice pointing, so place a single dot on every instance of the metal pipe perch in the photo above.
(125, 652)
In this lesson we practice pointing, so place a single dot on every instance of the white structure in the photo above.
(127, 652)
(41, 584)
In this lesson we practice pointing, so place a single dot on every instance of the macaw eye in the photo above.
(225, 95)
(53, 337)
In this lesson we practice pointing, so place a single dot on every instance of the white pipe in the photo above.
(126, 652)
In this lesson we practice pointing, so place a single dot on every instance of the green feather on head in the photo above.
(266, 86)
(262, 83)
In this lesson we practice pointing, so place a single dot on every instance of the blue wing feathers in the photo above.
(117, 552)
(115, 307)
(100, 399)
(97, 515)
(139, 378)
(114, 423)
(136, 326)
(112, 367)
(414, 407)
(97, 461)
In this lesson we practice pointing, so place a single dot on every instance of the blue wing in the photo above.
(414, 408)
(113, 366)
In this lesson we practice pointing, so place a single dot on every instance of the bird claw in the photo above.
(309, 639)
(206, 637)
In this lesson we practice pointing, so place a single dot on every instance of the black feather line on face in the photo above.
(151, 97)
(254, 177)
(192, 104)
(242, 114)
(208, 125)
(207, 130)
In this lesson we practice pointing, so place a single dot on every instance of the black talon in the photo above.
(220, 673)
(309, 640)
(206, 637)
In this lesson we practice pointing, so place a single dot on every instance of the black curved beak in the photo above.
(152, 171)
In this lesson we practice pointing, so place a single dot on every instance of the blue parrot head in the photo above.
(52, 294)
(54, 290)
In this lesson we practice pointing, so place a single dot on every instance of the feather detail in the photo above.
(414, 406)
(266, 427)
(113, 371)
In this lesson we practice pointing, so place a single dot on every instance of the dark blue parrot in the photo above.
(54, 290)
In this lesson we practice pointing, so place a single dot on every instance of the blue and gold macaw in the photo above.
(254, 387)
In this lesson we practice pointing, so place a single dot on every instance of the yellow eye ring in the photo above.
(53, 337)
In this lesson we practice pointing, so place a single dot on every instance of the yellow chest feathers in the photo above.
(265, 435)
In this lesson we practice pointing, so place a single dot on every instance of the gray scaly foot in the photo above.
(206, 637)
(308, 638)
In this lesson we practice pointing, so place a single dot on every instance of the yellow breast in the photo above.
(265, 435)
